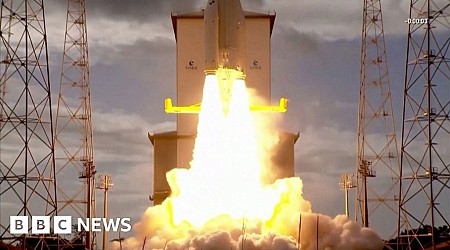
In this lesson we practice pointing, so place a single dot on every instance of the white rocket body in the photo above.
(224, 35)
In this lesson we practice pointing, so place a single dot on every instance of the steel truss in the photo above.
(425, 157)
(377, 166)
(28, 183)
(74, 150)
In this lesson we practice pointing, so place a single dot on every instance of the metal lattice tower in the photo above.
(28, 183)
(377, 155)
(424, 207)
(74, 150)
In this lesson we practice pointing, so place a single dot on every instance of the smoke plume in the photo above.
(221, 203)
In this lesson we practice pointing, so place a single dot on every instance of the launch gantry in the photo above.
(28, 181)
(425, 161)
(377, 156)
(74, 148)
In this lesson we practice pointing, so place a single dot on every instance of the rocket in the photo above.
(224, 36)
(225, 55)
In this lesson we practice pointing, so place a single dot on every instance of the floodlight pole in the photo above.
(105, 184)
(346, 183)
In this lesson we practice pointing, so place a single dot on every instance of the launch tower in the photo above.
(28, 181)
(174, 148)
(425, 160)
(74, 149)
(377, 156)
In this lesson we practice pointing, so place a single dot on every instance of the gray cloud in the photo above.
(137, 76)
(140, 10)
(114, 21)
(304, 43)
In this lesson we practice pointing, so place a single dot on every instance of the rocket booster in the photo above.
(224, 35)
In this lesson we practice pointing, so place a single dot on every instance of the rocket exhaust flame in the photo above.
(220, 203)
(225, 172)
(227, 79)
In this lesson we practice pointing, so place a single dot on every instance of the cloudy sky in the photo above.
(315, 63)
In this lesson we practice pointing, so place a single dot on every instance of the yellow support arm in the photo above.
(281, 108)
(169, 108)
(194, 109)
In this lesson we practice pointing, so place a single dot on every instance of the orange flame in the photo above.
(222, 189)
(224, 178)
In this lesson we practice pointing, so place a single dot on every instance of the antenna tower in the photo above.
(377, 155)
(74, 150)
(425, 159)
(28, 181)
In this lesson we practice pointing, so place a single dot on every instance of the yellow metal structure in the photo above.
(225, 78)
(194, 109)
(169, 108)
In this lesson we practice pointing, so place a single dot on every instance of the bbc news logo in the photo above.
(63, 224)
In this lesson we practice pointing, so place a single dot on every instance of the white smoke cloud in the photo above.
(339, 233)
(157, 230)
(290, 225)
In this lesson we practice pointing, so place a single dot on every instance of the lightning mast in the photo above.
(28, 181)
(74, 151)
(377, 157)
(425, 160)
